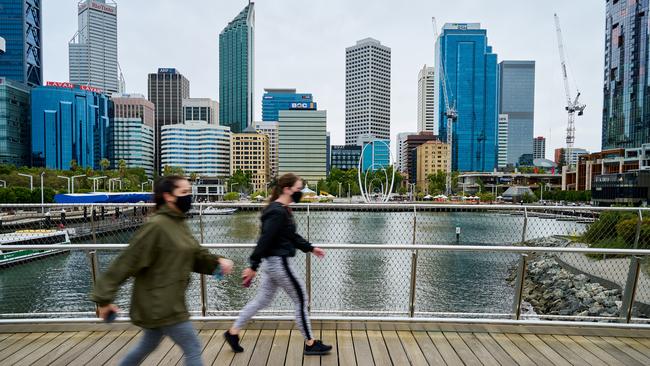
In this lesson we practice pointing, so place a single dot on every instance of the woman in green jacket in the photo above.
(161, 257)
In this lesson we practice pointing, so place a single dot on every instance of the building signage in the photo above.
(166, 71)
(90, 88)
(303, 105)
(97, 6)
(59, 84)
(66, 85)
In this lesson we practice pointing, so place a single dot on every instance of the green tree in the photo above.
(73, 165)
(241, 179)
(437, 182)
(121, 167)
(104, 164)
(193, 177)
(231, 196)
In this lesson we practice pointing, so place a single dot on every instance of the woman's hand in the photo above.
(247, 276)
(226, 265)
(104, 311)
(320, 253)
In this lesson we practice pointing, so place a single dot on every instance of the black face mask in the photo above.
(184, 203)
(296, 196)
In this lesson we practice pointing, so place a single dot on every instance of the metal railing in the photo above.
(420, 262)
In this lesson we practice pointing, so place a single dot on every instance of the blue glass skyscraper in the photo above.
(376, 155)
(472, 85)
(69, 122)
(275, 100)
(517, 100)
(21, 29)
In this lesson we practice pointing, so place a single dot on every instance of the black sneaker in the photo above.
(318, 348)
(233, 341)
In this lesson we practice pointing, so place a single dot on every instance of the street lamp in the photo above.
(68, 178)
(42, 195)
(73, 178)
(233, 184)
(110, 183)
(31, 180)
(4, 183)
(349, 193)
(267, 184)
(95, 179)
(340, 183)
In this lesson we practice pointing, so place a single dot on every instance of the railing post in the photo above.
(94, 272)
(523, 231)
(204, 287)
(92, 223)
(629, 293)
(414, 264)
(308, 266)
(519, 286)
(637, 236)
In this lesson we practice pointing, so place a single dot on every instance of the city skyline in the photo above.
(411, 39)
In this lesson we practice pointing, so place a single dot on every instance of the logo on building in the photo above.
(66, 85)
(166, 71)
(304, 105)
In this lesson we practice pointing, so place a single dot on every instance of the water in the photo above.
(350, 281)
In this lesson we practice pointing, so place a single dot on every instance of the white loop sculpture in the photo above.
(364, 185)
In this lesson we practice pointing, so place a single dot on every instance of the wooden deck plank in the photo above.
(395, 349)
(643, 341)
(225, 354)
(529, 350)
(329, 337)
(444, 347)
(159, 353)
(248, 342)
(295, 348)
(71, 348)
(640, 347)
(118, 356)
(411, 347)
(620, 356)
(495, 349)
(262, 347)
(90, 352)
(345, 348)
(378, 347)
(595, 350)
(212, 341)
(113, 348)
(175, 355)
(514, 351)
(29, 348)
(45, 349)
(20, 343)
(461, 348)
(546, 350)
(13, 338)
(566, 352)
(479, 350)
(5, 335)
(579, 350)
(428, 348)
(362, 348)
(278, 350)
(644, 359)
(312, 360)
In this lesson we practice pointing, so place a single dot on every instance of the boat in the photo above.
(219, 211)
(30, 237)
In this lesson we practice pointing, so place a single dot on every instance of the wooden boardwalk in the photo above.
(278, 344)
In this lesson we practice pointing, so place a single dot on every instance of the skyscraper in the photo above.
(517, 100)
(270, 129)
(471, 73)
(426, 105)
(131, 134)
(302, 145)
(502, 141)
(402, 152)
(15, 126)
(197, 147)
(539, 147)
(21, 30)
(626, 109)
(367, 90)
(167, 89)
(236, 79)
(93, 49)
(275, 100)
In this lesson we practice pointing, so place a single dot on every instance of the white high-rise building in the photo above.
(402, 151)
(271, 130)
(201, 109)
(92, 51)
(426, 100)
(197, 147)
(502, 141)
(367, 90)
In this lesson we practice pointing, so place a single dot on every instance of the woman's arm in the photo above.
(272, 222)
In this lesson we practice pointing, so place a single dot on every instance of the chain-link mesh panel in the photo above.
(226, 224)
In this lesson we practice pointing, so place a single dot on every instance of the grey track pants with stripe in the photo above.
(278, 273)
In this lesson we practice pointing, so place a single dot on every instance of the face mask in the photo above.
(184, 203)
(296, 196)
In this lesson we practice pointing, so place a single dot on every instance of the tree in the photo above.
(437, 182)
(121, 167)
(193, 177)
(173, 170)
(73, 165)
(241, 179)
(104, 164)
(231, 196)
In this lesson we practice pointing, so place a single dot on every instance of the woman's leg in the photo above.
(265, 294)
(295, 288)
(185, 336)
(150, 340)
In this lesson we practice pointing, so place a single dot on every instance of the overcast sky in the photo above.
(301, 45)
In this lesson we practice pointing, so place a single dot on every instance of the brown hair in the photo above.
(286, 180)
(165, 185)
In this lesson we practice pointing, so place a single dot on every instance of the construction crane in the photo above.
(572, 106)
(450, 110)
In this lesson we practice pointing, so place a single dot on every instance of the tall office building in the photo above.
(517, 101)
(471, 74)
(328, 154)
(502, 141)
(69, 122)
(249, 152)
(626, 108)
(303, 144)
(21, 58)
(367, 90)
(401, 161)
(131, 135)
(201, 109)
(270, 129)
(375, 154)
(197, 147)
(275, 100)
(236, 68)
(15, 117)
(167, 89)
(539, 148)
(426, 105)
(93, 49)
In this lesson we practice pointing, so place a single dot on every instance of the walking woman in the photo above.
(161, 257)
(275, 248)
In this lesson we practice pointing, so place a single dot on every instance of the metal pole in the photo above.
(629, 293)
(523, 231)
(414, 263)
(637, 236)
(521, 277)
(308, 266)
(204, 287)
(42, 195)
(92, 223)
